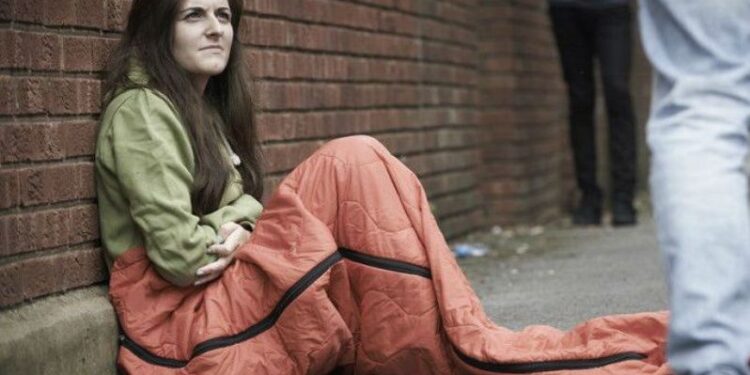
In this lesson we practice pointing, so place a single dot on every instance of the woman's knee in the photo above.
(356, 149)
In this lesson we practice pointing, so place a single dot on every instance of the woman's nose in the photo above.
(214, 27)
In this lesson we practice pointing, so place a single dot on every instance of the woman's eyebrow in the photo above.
(195, 8)
(225, 9)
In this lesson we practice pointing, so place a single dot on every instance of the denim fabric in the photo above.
(698, 135)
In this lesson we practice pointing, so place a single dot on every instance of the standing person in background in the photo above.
(698, 135)
(588, 30)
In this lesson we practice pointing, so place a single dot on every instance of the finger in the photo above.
(237, 238)
(206, 278)
(216, 266)
(220, 250)
(209, 269)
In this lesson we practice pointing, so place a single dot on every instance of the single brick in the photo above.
(35, 230)
(9, 240)
(49, 184)
(410, 6)
(352, 15)
(9, 188)
(29, 142)
(90, 13)
(47, 50)
(59, 12)
(62, 95)
(86, 227)
(265, 32)
(19, 52)
(78, 53)
(7, 9)
(86, 181)
(30, 10)
(117, 14)
(89, 96)
(7, 44)
(31, 96)
(9, 90)
(79, 138)
(102, 49)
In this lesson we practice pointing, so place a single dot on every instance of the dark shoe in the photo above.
(623, 214)
(589, 212)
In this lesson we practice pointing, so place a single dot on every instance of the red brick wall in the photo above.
(50, 55)
(464, 92)
(526, 173)
(402, 71)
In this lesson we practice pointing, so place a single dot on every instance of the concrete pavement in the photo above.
(564, 275)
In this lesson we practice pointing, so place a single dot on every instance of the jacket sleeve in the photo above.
(154, 164)
(244, 211)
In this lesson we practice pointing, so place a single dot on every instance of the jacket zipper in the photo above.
(382, 263)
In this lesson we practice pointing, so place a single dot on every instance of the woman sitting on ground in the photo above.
(346, 269)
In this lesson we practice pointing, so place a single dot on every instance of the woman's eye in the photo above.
(224, 16)
(193, 16)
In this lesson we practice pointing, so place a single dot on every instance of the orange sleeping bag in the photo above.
(347, 272)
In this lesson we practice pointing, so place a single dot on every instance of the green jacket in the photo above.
(144, 171)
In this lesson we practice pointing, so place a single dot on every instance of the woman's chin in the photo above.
(211, 69)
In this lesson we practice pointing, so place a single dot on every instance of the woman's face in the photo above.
(202, 37)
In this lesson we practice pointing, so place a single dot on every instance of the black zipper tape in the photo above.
(300, 286)
(254, 330)
(385, 263)
(382, 263)
(146, 356)
(542, 366)
(510, 368)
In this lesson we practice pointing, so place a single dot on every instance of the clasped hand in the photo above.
(234, 235)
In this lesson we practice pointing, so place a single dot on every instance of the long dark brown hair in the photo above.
(148, 40)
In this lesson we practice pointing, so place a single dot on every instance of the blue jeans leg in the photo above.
(698, 135)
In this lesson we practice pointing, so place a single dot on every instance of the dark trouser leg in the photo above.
(613, 49)
(573, 34)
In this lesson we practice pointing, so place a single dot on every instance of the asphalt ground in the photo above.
(564, 275)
